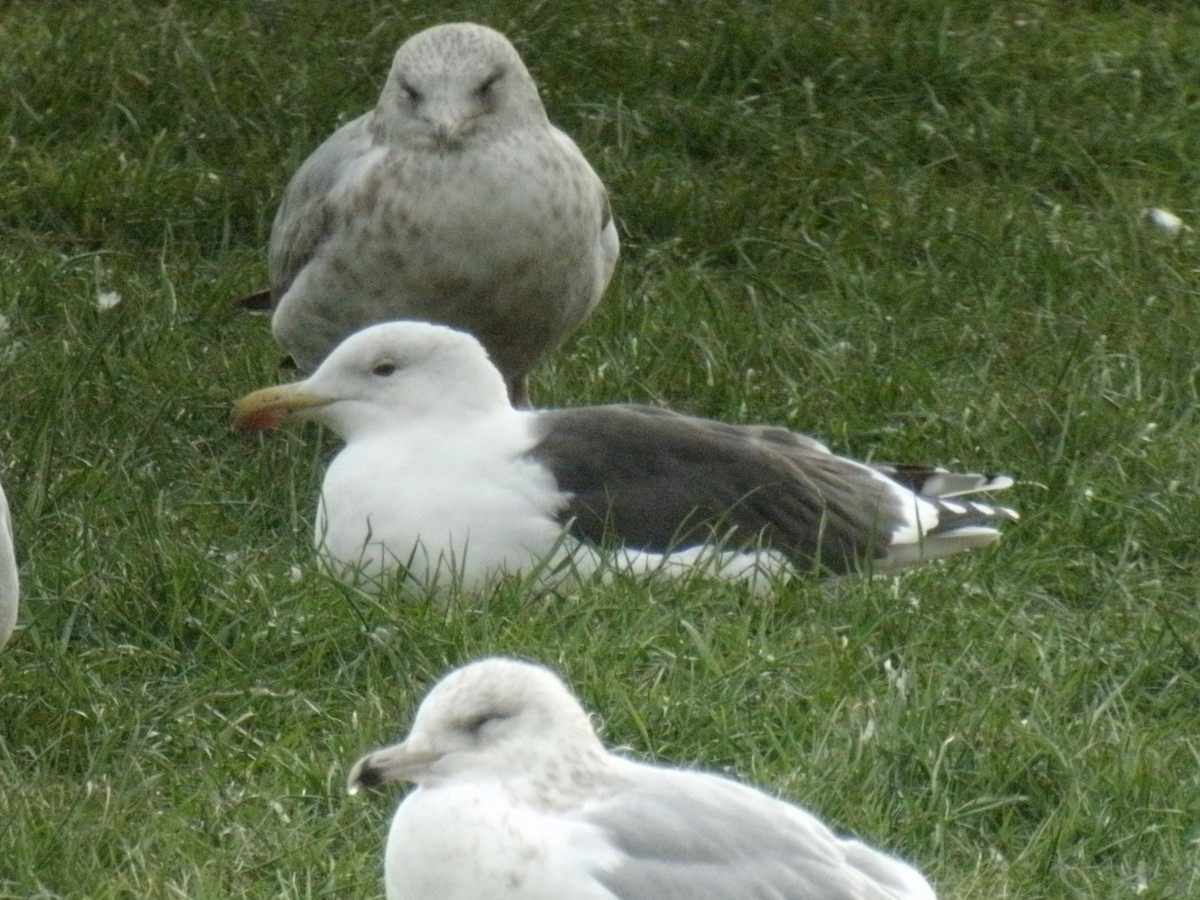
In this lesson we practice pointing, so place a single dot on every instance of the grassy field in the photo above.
(915, 230)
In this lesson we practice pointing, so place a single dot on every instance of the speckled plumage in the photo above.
(517, 798)
(453, 201)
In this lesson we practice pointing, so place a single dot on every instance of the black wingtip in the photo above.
(259, 301)
(368, 777)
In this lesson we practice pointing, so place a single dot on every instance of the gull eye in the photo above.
(384, 369)
(486, 88)
(474, 726)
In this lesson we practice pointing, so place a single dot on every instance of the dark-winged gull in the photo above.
(442, 475)
(517, 797)
(10, 590)
(454, 201)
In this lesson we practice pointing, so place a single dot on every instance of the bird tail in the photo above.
(259, 301)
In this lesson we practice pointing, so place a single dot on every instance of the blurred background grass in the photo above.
(914, 230)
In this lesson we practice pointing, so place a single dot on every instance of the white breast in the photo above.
(466, 841)
(446, 500)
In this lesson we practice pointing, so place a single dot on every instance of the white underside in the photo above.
(455, 504)
(471, 841)
(449, 501)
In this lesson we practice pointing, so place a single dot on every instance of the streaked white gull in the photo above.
(517, 797)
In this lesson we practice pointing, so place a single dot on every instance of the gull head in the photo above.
(453, 83)
(391, 373)
(497, 718)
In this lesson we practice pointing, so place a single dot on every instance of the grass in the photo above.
(914, 230)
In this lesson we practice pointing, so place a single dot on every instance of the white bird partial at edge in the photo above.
(441, 475)
(10, 586)
(517, 797)
(453, 201)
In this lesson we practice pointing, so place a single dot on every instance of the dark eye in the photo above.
(411, 92)
(384, 369)
(486, 88)
(475, 725)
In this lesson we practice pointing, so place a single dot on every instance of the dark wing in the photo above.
(656, 481)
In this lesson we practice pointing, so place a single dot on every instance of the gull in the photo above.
(10, 591)
(517, 798)
(453, 201)
(441, 475)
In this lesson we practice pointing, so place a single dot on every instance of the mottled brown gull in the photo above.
(440, 475)
(517, 797)
(453, 201)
